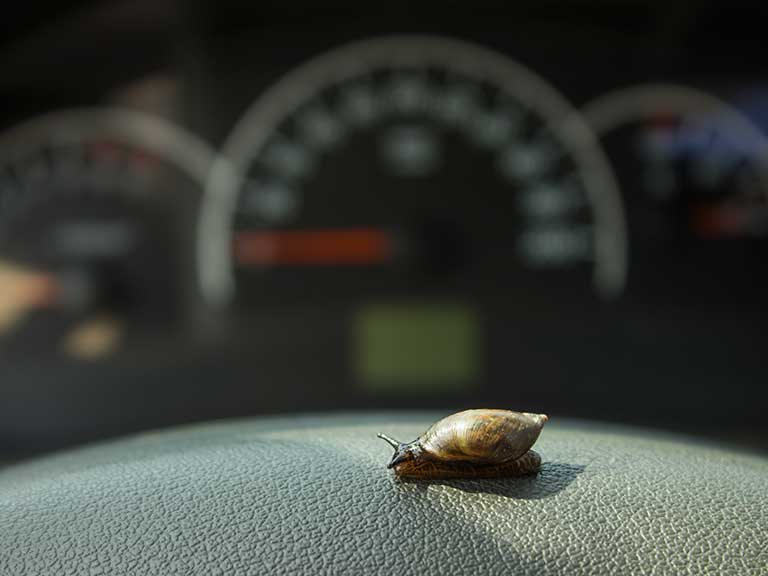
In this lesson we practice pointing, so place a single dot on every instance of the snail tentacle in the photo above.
(391, 441)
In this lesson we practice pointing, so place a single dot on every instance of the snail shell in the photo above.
(470, 444)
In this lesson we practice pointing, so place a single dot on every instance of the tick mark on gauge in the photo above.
(358, 105)
(411, 150)
(320, 128)
(290, 160)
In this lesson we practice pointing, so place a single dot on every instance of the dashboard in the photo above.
(212, 212)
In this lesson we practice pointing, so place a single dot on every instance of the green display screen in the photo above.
(418, 347)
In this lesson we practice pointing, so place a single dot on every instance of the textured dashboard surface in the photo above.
(312, 495)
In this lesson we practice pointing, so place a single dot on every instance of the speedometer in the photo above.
(424, 162)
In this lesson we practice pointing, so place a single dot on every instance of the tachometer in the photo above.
(696, 188)
(97, 229)
(427, 163)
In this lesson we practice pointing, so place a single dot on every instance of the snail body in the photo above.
(471, 444)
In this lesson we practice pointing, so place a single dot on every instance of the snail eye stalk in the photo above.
(394, 443)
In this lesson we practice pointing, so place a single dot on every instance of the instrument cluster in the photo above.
(562, 211)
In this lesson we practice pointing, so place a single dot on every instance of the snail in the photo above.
(471, 444)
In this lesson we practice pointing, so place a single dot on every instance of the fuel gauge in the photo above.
(693, 169)
(97, 231)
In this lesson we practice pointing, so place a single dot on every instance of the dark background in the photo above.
(682, 348)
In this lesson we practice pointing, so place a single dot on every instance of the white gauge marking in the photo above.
(525, 162)
(457, 105)
(411, 150)
(320, 128)
(555, 245)
(90, 238)
(288, 159)
(550, 200)
(275, 202)
(492, 129)
(409, 94)
(359, 105)
(355, 61)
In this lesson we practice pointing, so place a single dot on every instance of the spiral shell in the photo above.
(483, 436)
(472, 444)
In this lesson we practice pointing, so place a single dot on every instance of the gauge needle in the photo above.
(322, 246)
(23, 290)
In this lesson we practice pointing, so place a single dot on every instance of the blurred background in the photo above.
(214, 210)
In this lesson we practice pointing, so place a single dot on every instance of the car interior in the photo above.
(240, 240)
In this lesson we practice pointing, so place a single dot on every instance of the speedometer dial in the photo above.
(424, 162)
